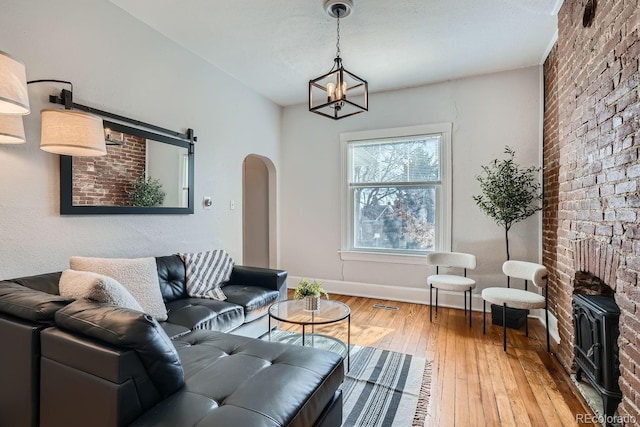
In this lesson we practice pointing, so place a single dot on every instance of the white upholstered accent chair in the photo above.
(451, 282)
(517, 298)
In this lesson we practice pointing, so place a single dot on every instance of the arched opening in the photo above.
(259, 212)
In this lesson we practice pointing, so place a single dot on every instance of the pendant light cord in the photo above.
(338, 38)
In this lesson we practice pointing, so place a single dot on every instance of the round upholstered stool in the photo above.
(518, 298)
(451, 282)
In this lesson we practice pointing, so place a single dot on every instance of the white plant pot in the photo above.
(311, 303)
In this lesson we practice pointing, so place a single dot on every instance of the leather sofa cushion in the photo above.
(19, 371)
(254, 300)
(29, 304)
(256, 276)
(171, 274)
(132, 330)
(174, 331)
(233, 380)
(203, 313)
(47, 282)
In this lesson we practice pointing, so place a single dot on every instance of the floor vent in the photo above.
(386, 307)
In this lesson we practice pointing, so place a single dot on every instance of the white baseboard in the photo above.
(553, 323)
(392, 293)
(414, 295)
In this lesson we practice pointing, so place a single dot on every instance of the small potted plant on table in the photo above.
(310, 292)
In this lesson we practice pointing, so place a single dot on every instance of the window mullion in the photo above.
(393, 184)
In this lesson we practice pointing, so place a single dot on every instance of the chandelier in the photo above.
(339, 93)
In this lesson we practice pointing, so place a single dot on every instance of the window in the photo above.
(396, 189)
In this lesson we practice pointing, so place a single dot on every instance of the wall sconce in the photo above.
(11, 129)
(66, 132)
(72, 133)
(14, 99)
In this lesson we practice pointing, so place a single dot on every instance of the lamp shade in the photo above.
(11, 129)
(14, 98)
(72, 133)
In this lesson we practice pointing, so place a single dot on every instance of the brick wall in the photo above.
(104, 181)
(591, 148)
(551, 166)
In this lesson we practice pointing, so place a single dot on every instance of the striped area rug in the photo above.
(382, 389)
(385, 388)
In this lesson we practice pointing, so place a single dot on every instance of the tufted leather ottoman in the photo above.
(237, 381)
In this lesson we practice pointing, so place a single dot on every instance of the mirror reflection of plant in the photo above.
(146, 192)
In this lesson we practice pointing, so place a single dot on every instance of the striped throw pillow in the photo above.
(206, 271)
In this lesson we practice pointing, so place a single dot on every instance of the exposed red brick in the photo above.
(590, 152)
(104, 181)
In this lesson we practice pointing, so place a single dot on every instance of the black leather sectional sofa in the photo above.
(78, 363)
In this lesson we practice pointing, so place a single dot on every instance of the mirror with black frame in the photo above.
(143, 173)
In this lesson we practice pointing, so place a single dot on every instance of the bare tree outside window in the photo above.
(393, 188)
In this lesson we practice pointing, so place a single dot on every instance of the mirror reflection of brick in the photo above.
(104, 181)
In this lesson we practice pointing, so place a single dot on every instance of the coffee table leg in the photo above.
(348, 342)
(313, 328)
(269, 327)
(303, 335)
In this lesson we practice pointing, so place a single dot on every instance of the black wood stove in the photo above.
(595, 318)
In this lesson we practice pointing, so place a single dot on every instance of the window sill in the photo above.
(346, 255)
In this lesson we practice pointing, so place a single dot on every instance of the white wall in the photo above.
(164, 162)
(487, 112)
(118, 64)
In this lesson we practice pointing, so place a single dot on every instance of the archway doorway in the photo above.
(259, 212)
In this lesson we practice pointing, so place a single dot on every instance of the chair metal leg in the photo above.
(484, 316)
(504, 326)
(470, 311)
(546, 318)
(526, 324)
(430, 303)
(465, 303)
(436, 300)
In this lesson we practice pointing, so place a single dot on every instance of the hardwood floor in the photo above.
(474, 382)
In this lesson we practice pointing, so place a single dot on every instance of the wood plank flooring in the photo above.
(474, 382)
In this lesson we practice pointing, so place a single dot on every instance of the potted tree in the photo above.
(510, 194)
(310, 292)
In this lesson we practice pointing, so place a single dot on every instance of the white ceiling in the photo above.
(276, 46)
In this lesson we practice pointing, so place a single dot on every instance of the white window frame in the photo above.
(443, 195)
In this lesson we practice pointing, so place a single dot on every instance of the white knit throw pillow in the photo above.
(138, 275)
(96, 287)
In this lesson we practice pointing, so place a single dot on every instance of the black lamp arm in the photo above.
(51, 81)
(65, 99)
